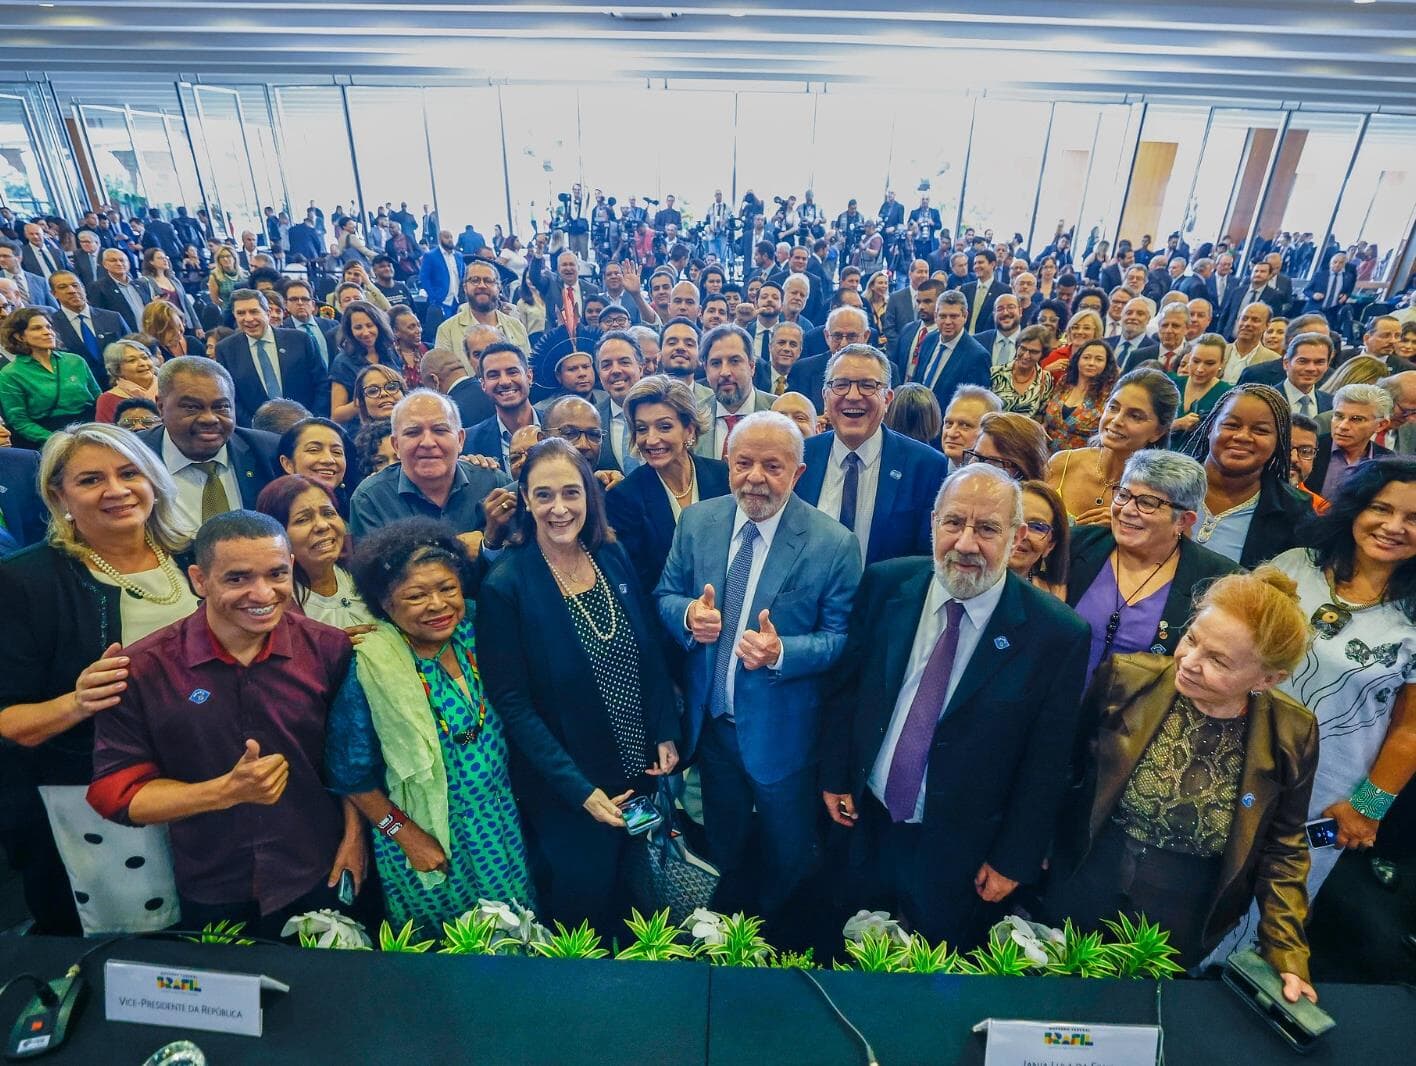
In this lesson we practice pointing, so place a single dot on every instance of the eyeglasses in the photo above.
(1146, 502)
(573, 434)
(843, 337)
(1305, 451)
(842, 386)
(955, 526)
(388, 388)
(1006, 465)
(1041, 528)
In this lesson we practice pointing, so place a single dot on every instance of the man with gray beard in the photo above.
(950, 720)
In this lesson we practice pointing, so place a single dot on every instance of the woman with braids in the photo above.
(1251, 513)
(1357, 584)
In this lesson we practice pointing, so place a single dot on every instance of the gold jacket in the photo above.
(1266, 857)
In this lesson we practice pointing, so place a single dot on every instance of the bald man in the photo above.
(451, 374)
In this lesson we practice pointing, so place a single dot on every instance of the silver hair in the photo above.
(771, 420)
(951, 298)
(1373, 396)
(642, 332)
(976, 392)
(988, 473)
(838, 313)
(113, 357)
(1177, 477)
(865, 351)
(196, 365)
(454, 415)
(1176, 307)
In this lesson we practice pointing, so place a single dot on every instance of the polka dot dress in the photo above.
(615, 663)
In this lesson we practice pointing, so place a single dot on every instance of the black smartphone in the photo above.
(345, 891)
(1322, 832)
(640, 815)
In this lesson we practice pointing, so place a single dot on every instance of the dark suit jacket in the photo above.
(1110, 277)
(998, 766)
(639, 511)
(1234, 298)
(302, 375)
(899, 313)
(484, 438)
(1195, 569)
(903, 344)
(1266, 854)
(996, 289)
(1324, 458)
(562, 744)
(1316, 291)
(159, 233)
(105, 294)
(969, 364)
(252, 453)
(304, 242)
(30, 261)
(26, 517)
(88, 269)
(910, 476)
(1146, 348)
(471, 401)
(107, 327)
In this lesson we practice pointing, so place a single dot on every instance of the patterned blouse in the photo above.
(1031, 400)
(1070, 427)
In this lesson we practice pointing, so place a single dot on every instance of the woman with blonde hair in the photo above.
(166, 326)
(225, 277)
(1359, 370)
(112, 570)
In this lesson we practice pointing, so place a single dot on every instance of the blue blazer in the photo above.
(433, 279)
(910, 476)
(639, 512)
(485, 439)
(302, 373)
(808, 582)
(26, 517)
(970, 363)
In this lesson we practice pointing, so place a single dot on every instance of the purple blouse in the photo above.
(1139, 622)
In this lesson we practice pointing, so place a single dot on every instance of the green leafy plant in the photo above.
(920, 956)
(1080, 955)
(401, 940)
(1141, 949)
(222, 932)
(872, 953)
(656, 938)
(1002, 956)
(794, 960)
(582, 942)
(741, 944)
(468, 935)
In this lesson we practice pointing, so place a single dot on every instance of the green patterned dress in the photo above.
(488, 854)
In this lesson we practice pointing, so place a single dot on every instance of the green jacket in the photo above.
(36, 401)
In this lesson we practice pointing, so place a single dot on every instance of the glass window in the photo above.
(1083, 178)
(616, 154)
(1379, 204)
(154, 155)
(1166, 157)
(114, 158)
(695, 140)
(260, 140)
(543, 150)
(851, 150)
(928, 158)
(183, 163)
(231, 165)
(1230, 180)
(467, 158)
(774, 135)
(1005, 161)
(392, 147)
(318, 168)
(21, 180)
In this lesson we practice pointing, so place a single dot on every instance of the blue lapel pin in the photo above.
(1001, 643)
(896, 474)
(1247, 799)
(624, 590)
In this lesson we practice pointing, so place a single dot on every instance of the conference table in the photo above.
(352, 1008)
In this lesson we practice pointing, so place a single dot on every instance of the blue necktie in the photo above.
(317, 341)
(850, 488)
(272, 383)
(936, 362)
(90, 338)
(734, 591)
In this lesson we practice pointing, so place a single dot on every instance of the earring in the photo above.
(68, 517)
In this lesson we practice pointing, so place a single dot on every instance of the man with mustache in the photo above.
(756, 589)
(950, 719)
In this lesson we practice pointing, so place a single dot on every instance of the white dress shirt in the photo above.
(191, 480)
(720, 419)
(454, 283)
(1005, 347)
(977, 613)
(273, 354)
(1294, 396)
(1235, 362)
(619, 433)
(866, 485)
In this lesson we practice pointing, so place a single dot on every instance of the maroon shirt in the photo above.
(186, 715)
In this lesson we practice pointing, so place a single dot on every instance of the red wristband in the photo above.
(390, 824)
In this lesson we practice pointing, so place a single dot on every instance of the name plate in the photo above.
(186, 999)
(1028, 1043)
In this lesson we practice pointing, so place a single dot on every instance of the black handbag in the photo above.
(662, 871)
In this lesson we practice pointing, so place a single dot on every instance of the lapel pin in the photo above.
(624, 590)
(1157, 649)
(1001, 643)
(896, 474)
(1247, 799)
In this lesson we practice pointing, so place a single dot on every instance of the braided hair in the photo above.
(1276, 468)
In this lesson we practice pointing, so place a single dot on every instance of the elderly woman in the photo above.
(1020, 384)
(1251, 512)
(914, 412)
(112, 571)
(1012, 442)
(413, 740)
(44, 389)
(596, 722)
(1201, 386)
(133, 372)
(644, 508)
(1041, 555)
(225, 277)
(365, 339)
(1357, 582)
(1197, 784)
(1134, 580)
(315, 448)
(319, 543)
(1136, 415)
(1084, 326)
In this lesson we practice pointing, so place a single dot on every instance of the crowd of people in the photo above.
(1068, 584)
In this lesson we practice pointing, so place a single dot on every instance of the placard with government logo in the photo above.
(1013, 1042)
(186, 999)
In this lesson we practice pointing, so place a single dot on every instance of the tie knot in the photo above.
(211, 468)
(749, 534)
(851, 459)
(954, 611)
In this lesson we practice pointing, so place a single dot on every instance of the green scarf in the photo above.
(414, 774)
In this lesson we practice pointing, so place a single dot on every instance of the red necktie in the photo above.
(914, 352)
(568, 314)
(731, 420)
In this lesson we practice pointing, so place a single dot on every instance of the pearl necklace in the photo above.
(574, 597)
(164, 563)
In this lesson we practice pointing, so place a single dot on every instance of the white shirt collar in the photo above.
(268, 336)
(869, 451)
(767, 528)
(176, 462)
(979, 609)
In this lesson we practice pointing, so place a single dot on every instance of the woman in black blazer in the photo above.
(572, 660)
(644, 508)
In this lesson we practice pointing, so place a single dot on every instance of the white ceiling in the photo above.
(1309, 53)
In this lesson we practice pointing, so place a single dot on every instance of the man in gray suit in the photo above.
(900, 308)
(728, 365)
(757, 589)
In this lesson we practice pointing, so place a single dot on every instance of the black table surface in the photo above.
(368, 1007)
